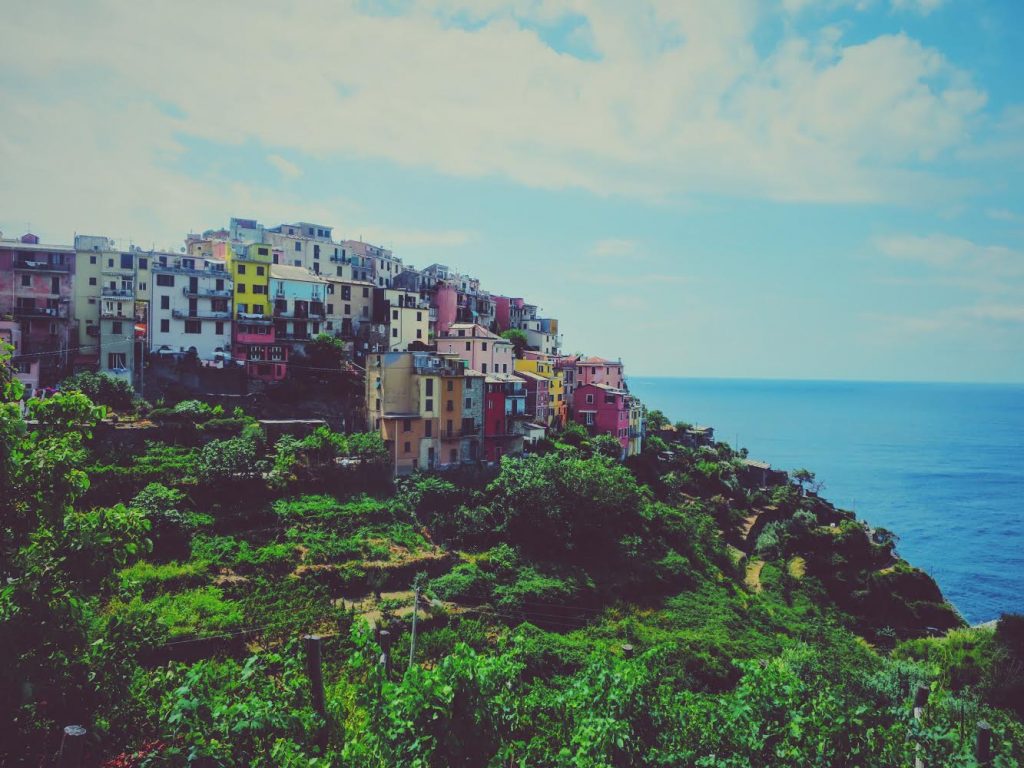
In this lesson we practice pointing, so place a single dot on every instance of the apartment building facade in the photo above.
(191, 308)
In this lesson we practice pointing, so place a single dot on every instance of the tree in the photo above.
(656, 420)
(518, 339)
(102, 389)
(804, 477)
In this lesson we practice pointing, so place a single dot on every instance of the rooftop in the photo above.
(285, 272)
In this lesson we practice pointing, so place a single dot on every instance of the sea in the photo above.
(941, 465)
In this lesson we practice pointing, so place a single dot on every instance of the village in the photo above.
(451, 373)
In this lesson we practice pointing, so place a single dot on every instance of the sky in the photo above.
(827, 189)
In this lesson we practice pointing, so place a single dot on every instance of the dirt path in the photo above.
(753, 577)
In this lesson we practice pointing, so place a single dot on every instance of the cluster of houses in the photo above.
(442, 384)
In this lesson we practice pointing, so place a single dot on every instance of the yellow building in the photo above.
(557, 403)
(249, 266)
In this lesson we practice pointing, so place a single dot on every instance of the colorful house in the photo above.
(191, 307)
(482, 350)
(544, 365)
(254, 342)
(504, 411)
(36, 292)
(537, 396)
(603, 410)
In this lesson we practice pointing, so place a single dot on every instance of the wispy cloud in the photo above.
(412, 239)
(615, 247)
(950, 252)
(286, 167)
(718, 113)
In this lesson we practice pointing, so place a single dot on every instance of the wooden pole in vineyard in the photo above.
(920, 701)
(72, 745)
(315, 671)
(983, 748)
(385, 648)
(415, 611)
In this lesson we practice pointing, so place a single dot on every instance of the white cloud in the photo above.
(924, 7)
(398, 239)
(950, 252)
(679, 103)
(286, 167)
(615, 247)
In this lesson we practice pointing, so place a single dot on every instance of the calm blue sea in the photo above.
(942, 465)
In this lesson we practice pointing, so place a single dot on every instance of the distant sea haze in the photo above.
(941, 465)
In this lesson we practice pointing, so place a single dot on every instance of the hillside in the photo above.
(162, 571)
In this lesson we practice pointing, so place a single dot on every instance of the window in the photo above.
(193, 326)
(366, 311)
(450, 405)
(219, 328)
(348, 309)
(346, 292)
(451, 385)
(394, 333)
(366, 292)
(484, 347)
(117, 327)
(298, 246)
(260, 270)
(243, 308)
(165, 326)
(419, 333)
(419, 317)
(588, 419)
(219, 285)
(260, 289)
(483, 368)
(110, 263)
(590, 399)
(126, 261)
(428, 428)
(142, 286)
(54, 285)
(429, 404)
(92, 259)
(92, 281)
(407, 447)
(165, 280)
(143, 263)
(330, 309)
(241, 269)
(394, 314)
(240, 287)
(219, 305)
(469, 345)
(165, 302)
(407, 426)
(430, 387)
(316, 251)
(26, 280)
(117, 360)
(297, 263)
(257, 309)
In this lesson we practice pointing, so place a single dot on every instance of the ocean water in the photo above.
(941, 465)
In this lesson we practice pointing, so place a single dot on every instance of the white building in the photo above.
(191, 307)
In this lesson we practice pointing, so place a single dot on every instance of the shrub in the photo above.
(102, 389)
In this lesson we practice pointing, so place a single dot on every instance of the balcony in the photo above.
(455, 434)
(118, 293)
(253, 319)
(210, 293)
(299, 314)
(55, 312)
(40, 266)
(110, 314)
(340, 259)
(199, 314)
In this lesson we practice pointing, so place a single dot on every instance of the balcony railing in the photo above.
(57, 312)
(118, 293)
(41, 266)
(253, 319)
(451, 434)
(199, 314)
(212, 293)
(340, 259)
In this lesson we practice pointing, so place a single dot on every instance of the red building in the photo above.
(538, 397)
(255, 345)
(504, 409)
(603, 410)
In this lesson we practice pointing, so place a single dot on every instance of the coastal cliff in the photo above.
(684, 607)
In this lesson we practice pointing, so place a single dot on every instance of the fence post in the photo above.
(983, 748)
(385, 651)
(627, 651)
(415, 612)
(920, 701)
(72, 744)
(314, 669)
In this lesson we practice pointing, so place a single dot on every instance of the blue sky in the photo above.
(800, 189)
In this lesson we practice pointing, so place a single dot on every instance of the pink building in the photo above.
(26, 370)
(446, 300)
(603, 410)
(36, 291)
(482, 350)
(597, 370)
